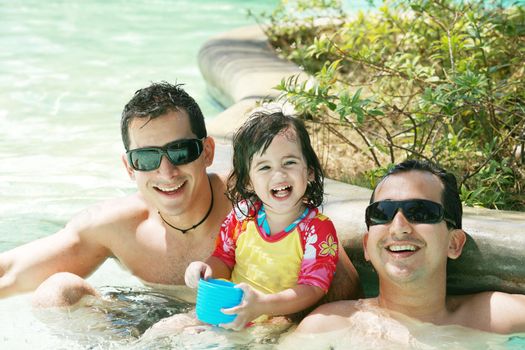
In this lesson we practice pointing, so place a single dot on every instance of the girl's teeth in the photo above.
(281, 191)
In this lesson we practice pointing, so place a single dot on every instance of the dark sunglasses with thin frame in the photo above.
(178, 153)
(419, 211)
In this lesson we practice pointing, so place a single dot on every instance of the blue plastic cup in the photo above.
(214, 295)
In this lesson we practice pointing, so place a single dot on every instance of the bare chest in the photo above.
(163, 259)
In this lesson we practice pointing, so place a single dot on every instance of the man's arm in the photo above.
(507, 313)
(72, 249)
(494, 312)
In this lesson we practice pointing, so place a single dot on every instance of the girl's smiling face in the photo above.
(279, 176)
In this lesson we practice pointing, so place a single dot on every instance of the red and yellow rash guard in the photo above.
(306, 255)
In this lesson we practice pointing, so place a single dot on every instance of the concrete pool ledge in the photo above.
(240, 69)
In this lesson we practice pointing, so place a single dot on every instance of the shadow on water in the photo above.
(131, 311)
(119, 319)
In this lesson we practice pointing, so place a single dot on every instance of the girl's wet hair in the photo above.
(255, 136)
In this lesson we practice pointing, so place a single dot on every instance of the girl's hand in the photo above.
(195, 271)
(250, 308)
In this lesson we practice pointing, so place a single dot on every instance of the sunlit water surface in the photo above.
(66, 70)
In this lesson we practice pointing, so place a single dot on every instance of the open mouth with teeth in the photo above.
(282, 191)
(169, 189)
(405, 248)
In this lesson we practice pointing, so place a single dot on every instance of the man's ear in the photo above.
(365, 243)
(209, 150)
(129, 169)
(456, 242)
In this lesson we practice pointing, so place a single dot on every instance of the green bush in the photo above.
(438, 80)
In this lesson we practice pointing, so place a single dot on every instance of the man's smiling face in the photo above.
(403, 251)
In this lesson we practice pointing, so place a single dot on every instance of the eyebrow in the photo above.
(266, 160)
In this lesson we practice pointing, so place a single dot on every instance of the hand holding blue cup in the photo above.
(214, 295)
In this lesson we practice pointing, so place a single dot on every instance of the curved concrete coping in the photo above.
(240, 69)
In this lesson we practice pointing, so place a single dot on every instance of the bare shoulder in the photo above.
(493, 311)
(218, 182)
(114, 215)
(219, 191)
(490, 299)
(507, 312)
(82, 245)
(328, 317)
(219, 179)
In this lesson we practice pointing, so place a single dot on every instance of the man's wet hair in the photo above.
(450, 195)
(159, 99)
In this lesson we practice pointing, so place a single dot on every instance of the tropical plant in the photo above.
(439, 80)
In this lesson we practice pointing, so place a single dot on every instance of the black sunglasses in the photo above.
(178, 152)
(415, 210)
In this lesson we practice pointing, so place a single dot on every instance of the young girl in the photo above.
(275, 243)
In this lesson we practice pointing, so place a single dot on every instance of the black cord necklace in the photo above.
(197, 224)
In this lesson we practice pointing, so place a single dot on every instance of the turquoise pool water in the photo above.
(66, 70)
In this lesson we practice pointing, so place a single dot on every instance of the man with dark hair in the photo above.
(172, 220)
(156, 232)
(414, 226)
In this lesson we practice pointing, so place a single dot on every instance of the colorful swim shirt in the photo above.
(307, 254)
